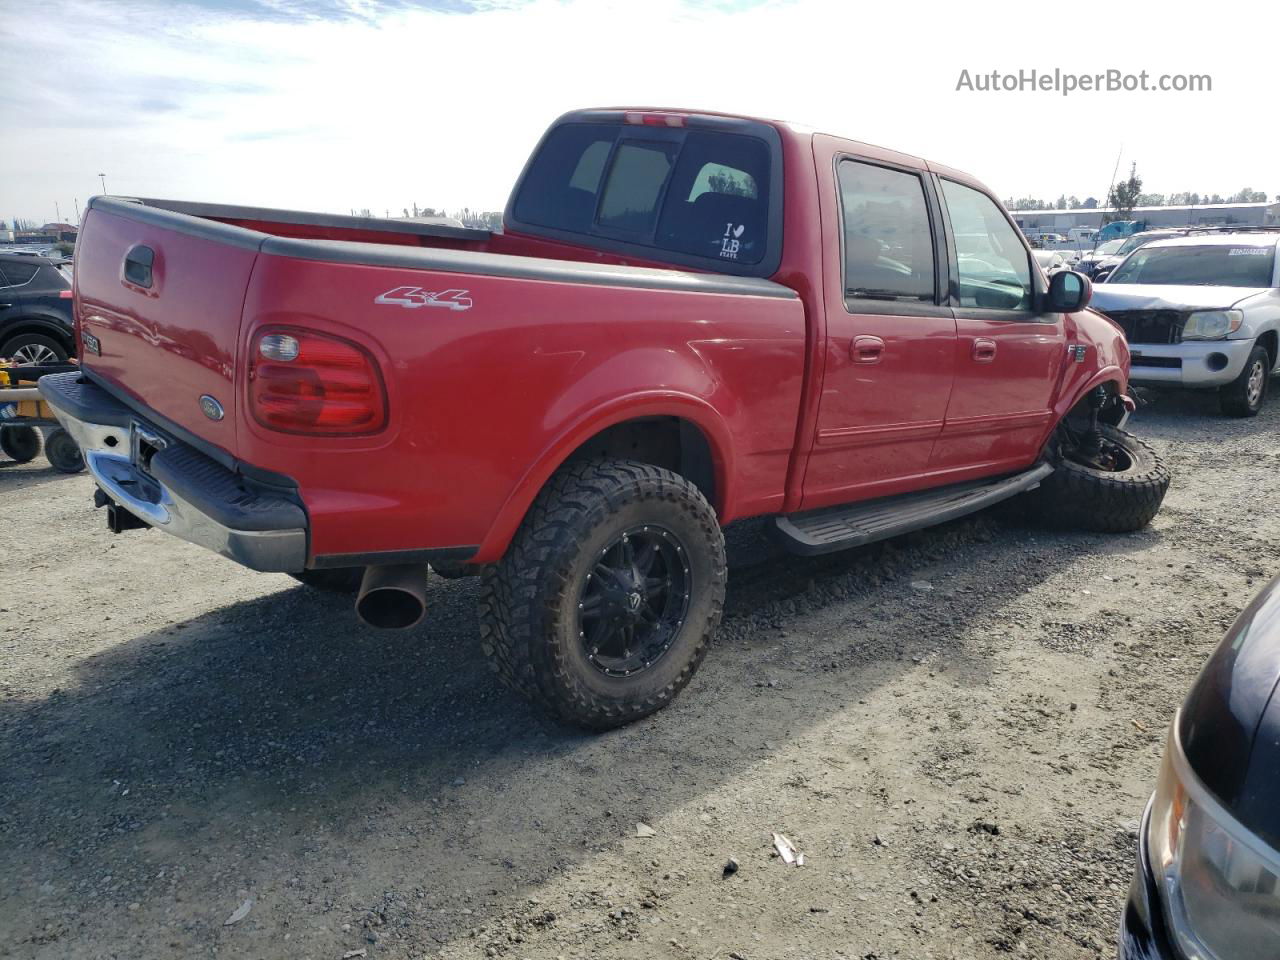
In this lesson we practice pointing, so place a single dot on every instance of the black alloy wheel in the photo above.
(634, 601)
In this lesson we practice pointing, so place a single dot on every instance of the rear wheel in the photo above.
(341, 580)
(1244, 396)
(1111, 482)
(20, 443)
(62, 451)
(604, 604)
(34, 348)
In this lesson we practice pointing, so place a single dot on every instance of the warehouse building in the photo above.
(1205, 214)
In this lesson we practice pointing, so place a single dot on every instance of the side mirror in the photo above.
(1068, 292)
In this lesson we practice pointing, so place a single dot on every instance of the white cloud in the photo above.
(396, 105)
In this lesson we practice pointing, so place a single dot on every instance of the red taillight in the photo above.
(64, 294)
(330, 387)
(655, 119)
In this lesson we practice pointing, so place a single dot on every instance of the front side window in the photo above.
(690, 192)
(991, 263)
(1211, 265)
(888, 243)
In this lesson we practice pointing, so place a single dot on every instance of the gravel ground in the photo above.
(958, 729)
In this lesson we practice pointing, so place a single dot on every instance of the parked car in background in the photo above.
(1088, 262)
(573, 407)
(1104, 265)
(1047, 239)
(35, 309)
(1207, 880)
(1201, 311)
(1051, 261)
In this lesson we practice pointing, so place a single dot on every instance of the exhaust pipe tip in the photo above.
(393, 597)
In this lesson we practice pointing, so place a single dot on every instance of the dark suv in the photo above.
(1207, 884)
(35, 309)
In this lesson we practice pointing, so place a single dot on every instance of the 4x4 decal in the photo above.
(417, 297)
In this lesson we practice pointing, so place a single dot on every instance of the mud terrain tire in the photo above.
(532, 627)
(1110, 501)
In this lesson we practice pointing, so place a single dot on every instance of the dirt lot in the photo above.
(958, 729)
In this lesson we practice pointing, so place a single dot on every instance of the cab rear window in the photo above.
(693, 193)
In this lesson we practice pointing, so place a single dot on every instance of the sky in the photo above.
(339, 104)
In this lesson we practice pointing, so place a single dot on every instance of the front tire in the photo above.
(1123, 497)
(1244, 396)
(604, 604)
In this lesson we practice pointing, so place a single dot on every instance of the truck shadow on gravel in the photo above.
(339, 773)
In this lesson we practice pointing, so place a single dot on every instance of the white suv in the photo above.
(1201, 311)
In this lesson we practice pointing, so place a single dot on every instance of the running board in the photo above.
(853, 524)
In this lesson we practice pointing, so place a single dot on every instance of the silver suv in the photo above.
(1201, 311)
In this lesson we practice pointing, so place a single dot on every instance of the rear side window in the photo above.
(16, 273)
(690, 192)
(888, 245)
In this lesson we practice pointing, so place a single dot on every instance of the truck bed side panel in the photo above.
(481, 397)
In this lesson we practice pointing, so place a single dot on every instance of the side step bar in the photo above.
(851, 525)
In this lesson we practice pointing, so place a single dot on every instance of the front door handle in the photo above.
(866, 349)
(984, 350)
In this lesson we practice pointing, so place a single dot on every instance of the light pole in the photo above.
(103, 178)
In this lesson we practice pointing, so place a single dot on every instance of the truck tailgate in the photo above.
(165, 333)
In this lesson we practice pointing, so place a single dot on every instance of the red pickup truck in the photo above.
(688, 319)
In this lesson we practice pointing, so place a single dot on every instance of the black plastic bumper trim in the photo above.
(331, 561)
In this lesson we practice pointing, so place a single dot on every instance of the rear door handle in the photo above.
(984, 350)
(866, 349)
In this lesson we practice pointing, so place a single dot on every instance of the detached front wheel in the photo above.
(1112, 482)
(606, 600)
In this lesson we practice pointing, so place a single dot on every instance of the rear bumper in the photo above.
(1202, 363)
(173, 487)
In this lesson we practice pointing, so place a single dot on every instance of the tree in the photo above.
(1248, 195)
(1061, 203)
(1073, 202)
(1151, 200)
(1089, 203)
(1123, 196)
(722, 181)
(1025, 203)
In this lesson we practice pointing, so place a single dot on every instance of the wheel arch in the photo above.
(1111, 377)
(679, 432)
(38, 323)
(1269, 340)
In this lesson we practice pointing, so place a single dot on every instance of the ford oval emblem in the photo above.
(212, 408)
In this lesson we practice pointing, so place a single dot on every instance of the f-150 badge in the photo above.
(417, 297)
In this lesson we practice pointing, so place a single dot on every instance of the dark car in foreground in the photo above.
(1207, 884)
(35, 309)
